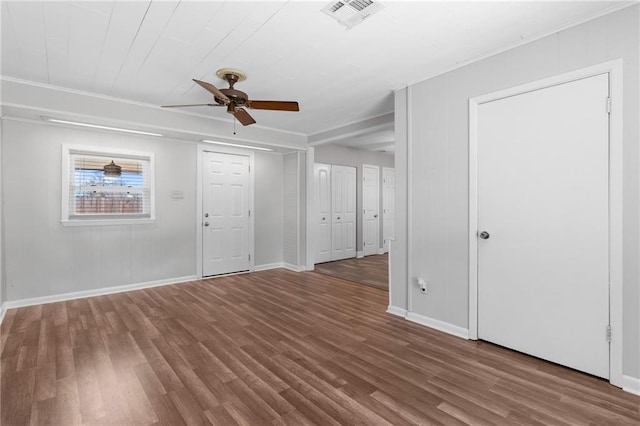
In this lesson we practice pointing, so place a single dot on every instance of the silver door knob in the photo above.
(338, 217)
(206, 224)
(324, 218)
(206, 215)
(484, 235)
(375, 215)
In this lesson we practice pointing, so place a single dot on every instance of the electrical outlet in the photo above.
(423, 285)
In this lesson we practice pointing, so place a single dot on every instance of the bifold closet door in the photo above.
(343, 212)
(322, 174)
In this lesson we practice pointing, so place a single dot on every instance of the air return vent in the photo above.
(352, 12)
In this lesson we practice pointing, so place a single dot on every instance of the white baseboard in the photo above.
(394, 310)
(359, 255)
(285, 265)
(631, 384)
(95, 292)
(292, 267)
(438, 325)
(267, 266)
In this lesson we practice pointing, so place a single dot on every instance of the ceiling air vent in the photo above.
(352, 12)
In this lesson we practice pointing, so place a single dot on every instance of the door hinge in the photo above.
(609, 333)
(249, 258)
(249, 213)
(249, 168)
(608, 105)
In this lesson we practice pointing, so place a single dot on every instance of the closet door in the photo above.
(343, 212)
(322, 174)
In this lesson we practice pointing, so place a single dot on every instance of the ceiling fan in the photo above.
(235, 100)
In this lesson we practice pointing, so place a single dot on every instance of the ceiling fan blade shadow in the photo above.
(243, 117)
(274, 105)
(213, 89)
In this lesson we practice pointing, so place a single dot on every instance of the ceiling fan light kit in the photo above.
(235, 100)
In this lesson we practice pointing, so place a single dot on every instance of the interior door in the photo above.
(322, 175)
(388, 205)
(543, 223)
(225, 213)
(370, 206)
(343, 214)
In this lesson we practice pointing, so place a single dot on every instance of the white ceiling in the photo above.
(149, 51)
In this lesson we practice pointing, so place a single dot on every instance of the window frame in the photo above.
(68, 151)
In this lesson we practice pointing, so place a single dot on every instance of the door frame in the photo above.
(614, 68)
(378, 232)
(202, 148)
(385, 243)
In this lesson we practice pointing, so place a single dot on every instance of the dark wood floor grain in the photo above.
(370, 270)
(275, 348)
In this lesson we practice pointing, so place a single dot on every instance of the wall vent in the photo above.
(352, 12)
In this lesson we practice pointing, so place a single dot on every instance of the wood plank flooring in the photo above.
(274, 348)
(370, 270)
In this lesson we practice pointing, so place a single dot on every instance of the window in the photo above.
(106, 187)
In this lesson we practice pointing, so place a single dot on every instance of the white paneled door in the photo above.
(370, 207)
(322, 181)
(225, 213)
(388, 205)
(343, 212)
(543, 206)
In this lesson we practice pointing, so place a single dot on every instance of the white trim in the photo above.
(3, 311)
(276, 265)
(394, 310)
(454, 330)
(614, 68)
(359, 255)
(291, 267)
(267, 266)
(206, 147)
(631, 384)
(381, 250)
(311, 208)
(95, 292)
(69, 149)
(409, 122)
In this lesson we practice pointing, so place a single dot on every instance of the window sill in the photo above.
(107, 222)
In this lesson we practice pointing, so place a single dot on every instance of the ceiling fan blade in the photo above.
(213, 89)
(243, 117)
(189, 105)
(274, 105)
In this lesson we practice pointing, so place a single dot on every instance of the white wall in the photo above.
(437, 157)
(45, 258)
(3, 288)
(347, 156)
(268, 208)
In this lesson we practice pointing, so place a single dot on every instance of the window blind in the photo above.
(94, 195)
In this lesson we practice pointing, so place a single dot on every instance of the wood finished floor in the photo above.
(274, 348)
(371, 270)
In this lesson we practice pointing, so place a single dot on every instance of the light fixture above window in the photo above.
(98, 126)
(237, 145)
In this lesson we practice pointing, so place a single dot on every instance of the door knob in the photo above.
(484, 235)
(338, 218)
(206, 224)
(324, 218)
(375, 215)
(206, 215)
